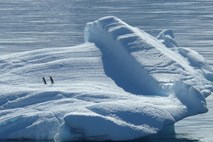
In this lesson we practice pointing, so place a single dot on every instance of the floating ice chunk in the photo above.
(198, 61)
(167, 38)
(124, 86)
(194, 58)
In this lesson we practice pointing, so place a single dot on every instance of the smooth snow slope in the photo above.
(125, 86)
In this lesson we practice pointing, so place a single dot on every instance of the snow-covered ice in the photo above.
(121, 84)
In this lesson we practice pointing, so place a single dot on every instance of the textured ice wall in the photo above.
(152, 67)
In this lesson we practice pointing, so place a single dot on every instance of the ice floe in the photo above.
(121, 84)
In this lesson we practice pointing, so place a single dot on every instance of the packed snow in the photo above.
(121, 84)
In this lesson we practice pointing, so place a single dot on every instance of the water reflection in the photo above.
(166, 135)
(168, 138)
(154, 138)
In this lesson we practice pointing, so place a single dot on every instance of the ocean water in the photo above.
(33, 24)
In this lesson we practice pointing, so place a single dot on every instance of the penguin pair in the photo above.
(51, 79)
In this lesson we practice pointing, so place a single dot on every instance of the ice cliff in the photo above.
(121, 84)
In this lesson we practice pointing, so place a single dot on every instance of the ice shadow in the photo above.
(166, 135)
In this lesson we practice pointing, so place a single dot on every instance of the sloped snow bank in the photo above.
(126, 85)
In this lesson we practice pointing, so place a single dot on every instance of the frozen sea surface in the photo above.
(28, 25)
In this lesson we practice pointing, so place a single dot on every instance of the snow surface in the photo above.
(121, 84)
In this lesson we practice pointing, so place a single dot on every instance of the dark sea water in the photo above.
(33, 24)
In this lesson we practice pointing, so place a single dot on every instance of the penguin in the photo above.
(51, 79)
(44, 80)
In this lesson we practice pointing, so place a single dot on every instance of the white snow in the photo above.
(121, 84)
(167, 38)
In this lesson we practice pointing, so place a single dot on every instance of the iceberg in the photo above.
(121, 84)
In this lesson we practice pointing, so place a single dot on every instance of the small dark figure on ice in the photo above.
(44, 80)
(51, 79)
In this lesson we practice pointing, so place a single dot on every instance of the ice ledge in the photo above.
(140, 63)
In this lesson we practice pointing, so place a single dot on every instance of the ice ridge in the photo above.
(143, 62)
